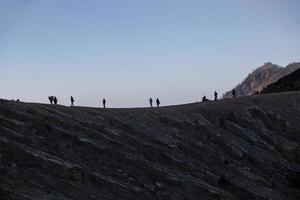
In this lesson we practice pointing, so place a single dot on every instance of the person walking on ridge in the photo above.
(104, 102)
(72, 101)
(157, 102)
(151, 102)
(233, 93)
(216, 96)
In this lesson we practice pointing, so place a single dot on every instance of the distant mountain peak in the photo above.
(268, 65)
(262, 77)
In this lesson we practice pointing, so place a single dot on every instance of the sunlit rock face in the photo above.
(261, 78)
(242, 148)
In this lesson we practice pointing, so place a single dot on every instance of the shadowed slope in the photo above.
(243, 148)
(290, 82)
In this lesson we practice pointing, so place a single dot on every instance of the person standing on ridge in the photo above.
(104, 102)
(233, 93)
(51, 99)
(72, 101)
(151, 102)
(157, 102)
(216, 96)
(55, 100)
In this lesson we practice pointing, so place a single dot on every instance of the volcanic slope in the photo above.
(290, 82)
(242, 148)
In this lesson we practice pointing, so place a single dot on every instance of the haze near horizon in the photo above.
(128, 51)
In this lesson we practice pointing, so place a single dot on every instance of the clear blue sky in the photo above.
(129, 50)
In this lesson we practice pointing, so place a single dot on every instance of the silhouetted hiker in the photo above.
(204, 99)
(233, 93)
(104, 102)
(55, 100)
(51, 99)
(72, 101)
(157, 102)
(151, 102)
(216, 96)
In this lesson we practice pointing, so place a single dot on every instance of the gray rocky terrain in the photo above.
(242, 148)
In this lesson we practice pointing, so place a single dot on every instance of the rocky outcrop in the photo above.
(261, 78)
(290, 82)
(242, 148)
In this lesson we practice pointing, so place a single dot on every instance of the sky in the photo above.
(128, 51)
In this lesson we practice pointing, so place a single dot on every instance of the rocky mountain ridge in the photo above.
(243, 148)
(262, 77)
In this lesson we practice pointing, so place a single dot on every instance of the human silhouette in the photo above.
(55, 100)
(72, 101)
(151, 102)
(51, 99)
(104, 102)
(233, 93)
(204, 99)
(216, 96)
(157, 102)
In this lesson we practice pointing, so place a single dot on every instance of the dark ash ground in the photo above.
(243, 148)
